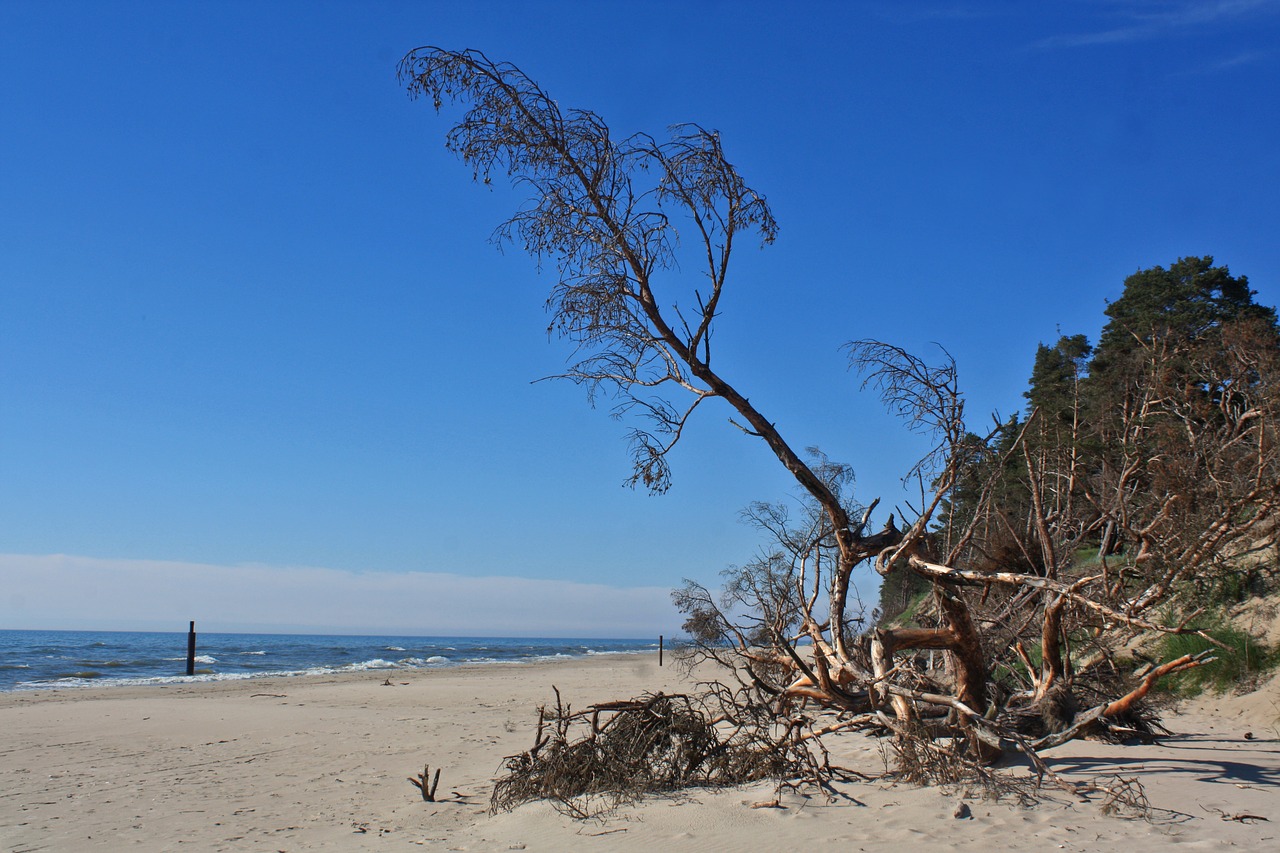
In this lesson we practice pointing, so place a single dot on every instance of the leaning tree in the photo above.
(994, 660)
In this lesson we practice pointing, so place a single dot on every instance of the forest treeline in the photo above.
(1148, 454)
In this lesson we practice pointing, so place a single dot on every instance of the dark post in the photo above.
(659, 649)
(191, 650)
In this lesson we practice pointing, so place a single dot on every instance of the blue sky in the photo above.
(254, 337)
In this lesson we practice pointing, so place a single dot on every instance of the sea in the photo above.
(43, 660)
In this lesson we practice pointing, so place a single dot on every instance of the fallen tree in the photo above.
(1016, 644)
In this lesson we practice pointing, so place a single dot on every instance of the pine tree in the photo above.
(1190, 301)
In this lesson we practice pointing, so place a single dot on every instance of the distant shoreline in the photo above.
(231, 687)
(43, 660)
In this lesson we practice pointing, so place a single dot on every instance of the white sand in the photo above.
(322, 763)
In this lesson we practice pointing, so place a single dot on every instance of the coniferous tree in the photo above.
(1191, 300)
(1163, 434)
(1056, 376)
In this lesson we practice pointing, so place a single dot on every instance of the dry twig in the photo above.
(428, 789)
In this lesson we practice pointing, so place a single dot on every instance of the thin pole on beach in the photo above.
(659, 649)
(191, 649)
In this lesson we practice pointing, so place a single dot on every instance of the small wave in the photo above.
(376, 663)
(95, 680)
(14, 666)
(90, 663)
(253, 653)
(393, 649)
(544, 658)
(434, 660)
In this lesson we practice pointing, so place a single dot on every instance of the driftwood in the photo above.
(1240, 817)
(428, 789)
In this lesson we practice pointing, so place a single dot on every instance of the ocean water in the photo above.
(34, 660)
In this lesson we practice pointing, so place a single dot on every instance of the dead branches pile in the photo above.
(921, 759)
(613, 753)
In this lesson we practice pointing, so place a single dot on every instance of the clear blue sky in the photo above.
(253, 337)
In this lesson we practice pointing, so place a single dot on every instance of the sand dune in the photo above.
(321, 763)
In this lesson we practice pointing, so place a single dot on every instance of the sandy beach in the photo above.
(322, 763)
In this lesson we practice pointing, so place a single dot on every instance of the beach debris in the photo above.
(428, 789)
(767, 804)
(586, 763)
(1239, 817)
(1121, 796)
(962, 812)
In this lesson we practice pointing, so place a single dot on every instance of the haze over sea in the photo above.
(57, 659)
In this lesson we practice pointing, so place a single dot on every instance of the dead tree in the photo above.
(1192, 480)
(613, 214)
(606, 210)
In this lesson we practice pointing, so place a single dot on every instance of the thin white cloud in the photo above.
(1240, 60)
(69, 592)
(1185, 13)
(1250, 57)
(1145, 21)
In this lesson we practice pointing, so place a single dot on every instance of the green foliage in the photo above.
(992, 465)
(1166, 426)
(1055, 377)
(908, 614)
(1087, 556)
(901, 593)
(1230, 586)
(1243, 659)
(1191, 299)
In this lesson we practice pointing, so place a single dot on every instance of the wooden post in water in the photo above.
(659, 650)
(191, 649)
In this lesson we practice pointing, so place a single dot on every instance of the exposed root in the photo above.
(613, 753)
